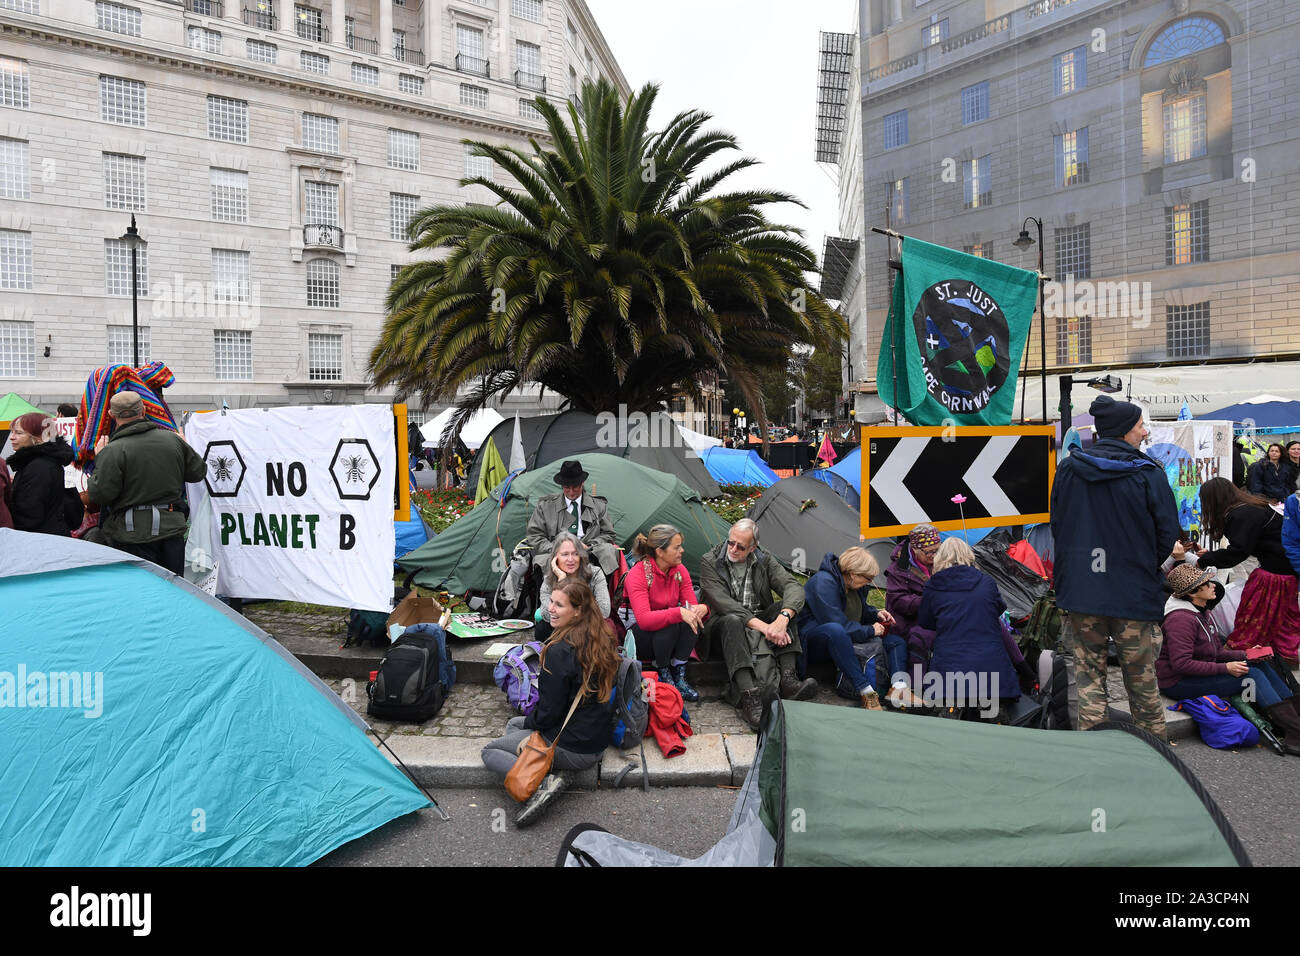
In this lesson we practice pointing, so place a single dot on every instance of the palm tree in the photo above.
(612, 272)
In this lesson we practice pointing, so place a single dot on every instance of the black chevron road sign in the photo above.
(911, 475)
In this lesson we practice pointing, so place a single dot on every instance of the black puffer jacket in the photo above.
(36, 498)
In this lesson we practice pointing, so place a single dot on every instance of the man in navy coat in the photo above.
(1114, 521)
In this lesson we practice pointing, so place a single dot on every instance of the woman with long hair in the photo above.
(570, 561)
(36, 497)
(578, 661)
(1267, 615)
(661, 596)
(1291, 468)
(1268, 476)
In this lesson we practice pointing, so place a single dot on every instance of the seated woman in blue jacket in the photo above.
(962, 605)
(836, 616)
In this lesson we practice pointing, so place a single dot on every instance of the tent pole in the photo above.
(442, 814)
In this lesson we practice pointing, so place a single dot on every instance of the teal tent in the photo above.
(849, 787)
(464, 557)
(738, 466)
(147, 724)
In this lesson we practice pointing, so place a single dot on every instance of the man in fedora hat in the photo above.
(575, 511)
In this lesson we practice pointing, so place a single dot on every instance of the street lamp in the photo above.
(1024, 241)
(132, 240)
(1108, 384)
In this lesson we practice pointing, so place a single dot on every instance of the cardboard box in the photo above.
(414, 609)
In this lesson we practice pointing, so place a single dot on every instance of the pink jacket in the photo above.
(660, 604)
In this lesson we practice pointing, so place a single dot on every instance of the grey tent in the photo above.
(799, 519)
(653, 440)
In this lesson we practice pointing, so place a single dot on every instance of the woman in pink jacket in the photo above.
(668, 620)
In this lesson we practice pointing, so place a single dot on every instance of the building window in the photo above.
(233, 350)
(473, 96)
(895, 129)
(1074, 340)
(1072, 157)
(121, 101)
(981, 250)
(401, 208)
(469, 41)
(320, 133)
(399, 44)
(1187, 330)
(229, 195)
(324, 357)
(260, 51)
(365, 74)
(21, 6)
(407, 83)
(17, 348)
(124, 182)
(323, 284)
(477, 165)
(573, 34)
(227, 120)
(308, 23)
(527, 10)
(13, 169)
(315, 62)
(1074, 251)
(121, 345)
(1070, 70)
(393, 271)
(975, 103)
(15, 259)
(230, 275)
(1187, 233)
(117, 268)
(1184, 128)
(403, 149)
(117, 19)
(575, 89)
(262, 14)
(528, 57)
(528, 110)
(321, 204)
(934, 32)
(1183, 38)
(13, 83)
(201, 38)
(977, 175)
(896, 199)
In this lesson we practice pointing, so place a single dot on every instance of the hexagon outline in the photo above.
(334, 461)
(243, 469)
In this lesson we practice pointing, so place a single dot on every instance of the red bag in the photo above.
(666, 723)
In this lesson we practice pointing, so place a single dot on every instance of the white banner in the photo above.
(1192, 453)
(302, 502)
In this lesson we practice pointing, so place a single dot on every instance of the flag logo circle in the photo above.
(964, 344)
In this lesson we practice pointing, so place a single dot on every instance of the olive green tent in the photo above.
(844, 786)
(464, 556)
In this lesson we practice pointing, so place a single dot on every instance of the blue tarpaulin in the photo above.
(738, 466)
(1265, 415)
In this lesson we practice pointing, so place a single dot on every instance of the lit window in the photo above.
(1072, 157)
(977, 175)
(227, 119)
(410, 84)
(15, 259)
(403, 149)
(320, 133)
(1183, 38)
(233, 351)
(975, 103)
(315, 62)
(1070, 70)
(229, 195)
(1074, 340)
(117, 268)
(1074, 251)
(321, 204)
(117, 19)
(1185, 128)
(323, 284)
(934, 32)
(308, 23)
(13, 169)
(365, 74)
(1187, 233)
(896, 199)
(401, 208)
(260, 51)
(14, 89)
(473, 96)
(230, 272)
(124, 182)
(201, 38)
(17, 348)
(1187, 330)
(895, 129)
(981, 250)
(121, 101)
(121, 345)
(324, 357)
(527, 10)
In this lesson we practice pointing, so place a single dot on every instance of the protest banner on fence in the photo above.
(301, 502)
(1192, 452)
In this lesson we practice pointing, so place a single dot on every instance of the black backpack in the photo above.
(408, 685)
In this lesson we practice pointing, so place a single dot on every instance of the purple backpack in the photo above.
(516, 674)
(1220, 725)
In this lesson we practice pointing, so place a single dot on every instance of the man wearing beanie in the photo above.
(1114, 521)
(139, 477)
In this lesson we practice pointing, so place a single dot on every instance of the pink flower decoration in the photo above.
(959, 499)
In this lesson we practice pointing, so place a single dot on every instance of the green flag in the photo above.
(957, 326)
(491, 473)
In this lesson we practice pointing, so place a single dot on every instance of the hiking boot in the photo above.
(547, 791)
(678, 675)
(751, 709)
(870, 699)
(791, 687)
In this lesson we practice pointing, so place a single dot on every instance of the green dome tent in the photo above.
(852, 787)
(462, 558)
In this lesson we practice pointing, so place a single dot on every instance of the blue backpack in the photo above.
(414, 677)
(516, 674)
(1220, 725)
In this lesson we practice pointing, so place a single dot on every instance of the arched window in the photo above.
(1183, 38)
(323, 284)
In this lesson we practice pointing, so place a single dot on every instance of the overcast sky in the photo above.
(753, 65)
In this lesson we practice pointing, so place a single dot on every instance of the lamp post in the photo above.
(132, 240)
(1108, 384)
(1024, 241)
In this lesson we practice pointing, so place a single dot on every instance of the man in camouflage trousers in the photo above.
(1114, 521)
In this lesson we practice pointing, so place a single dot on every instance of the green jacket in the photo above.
(141, 466)
(769, 578)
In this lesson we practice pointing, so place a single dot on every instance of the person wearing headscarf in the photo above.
(908, 574)
(36, 498)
